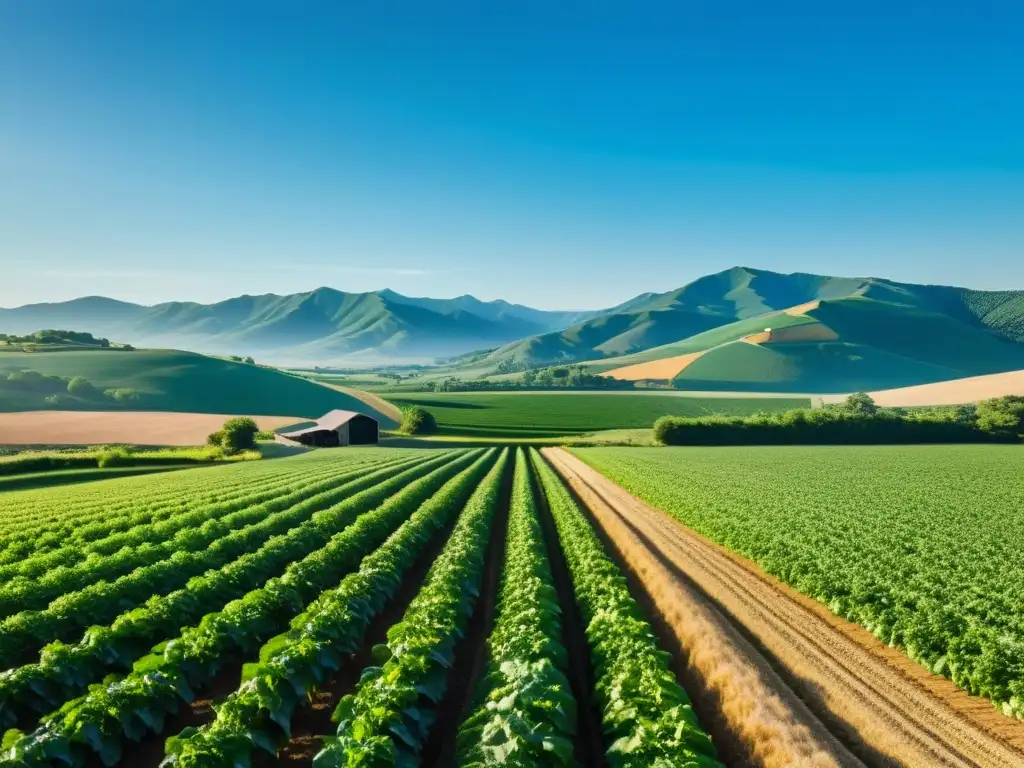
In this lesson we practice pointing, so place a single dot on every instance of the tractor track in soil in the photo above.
(792, 683)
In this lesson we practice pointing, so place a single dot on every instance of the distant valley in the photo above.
(741, 329)
(318, 327)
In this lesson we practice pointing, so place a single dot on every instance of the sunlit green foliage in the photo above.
(646, 716)
(920, 544)
(539, 414)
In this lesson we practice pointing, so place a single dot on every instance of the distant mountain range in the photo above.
(827, 333)
(321, 326)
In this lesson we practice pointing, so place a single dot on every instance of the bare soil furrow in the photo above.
(470, 657)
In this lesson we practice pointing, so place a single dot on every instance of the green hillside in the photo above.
(546, 414)
(160, 380)
(810, 367)
(702, 341)
(872, 332)
(940, 328)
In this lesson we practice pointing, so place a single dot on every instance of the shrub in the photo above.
(123, 394)
(81, 387)
(861, 404)
(216, 439)
(851, 422)
(239, 434)
(418, 421)
(114, 456)
(1002, 417)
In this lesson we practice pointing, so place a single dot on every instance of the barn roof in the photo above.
(336, 418)
(331, 420)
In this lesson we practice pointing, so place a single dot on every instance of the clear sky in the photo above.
(560, 154)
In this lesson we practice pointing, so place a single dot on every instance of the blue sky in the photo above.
(564, 155)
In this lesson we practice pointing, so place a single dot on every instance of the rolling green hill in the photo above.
(161, 380)
(871, 334)
(861, 333)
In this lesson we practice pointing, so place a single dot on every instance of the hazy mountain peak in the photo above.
(325, 325)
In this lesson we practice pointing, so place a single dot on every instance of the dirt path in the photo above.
(791, 680)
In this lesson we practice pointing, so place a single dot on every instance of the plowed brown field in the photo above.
(794, 685)
(666, 368)
(955, 392)
(117, 427)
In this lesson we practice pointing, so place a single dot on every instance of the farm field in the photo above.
(117, 427)
(955, 392)
(556, 414)
(919, 545)
(384, 586)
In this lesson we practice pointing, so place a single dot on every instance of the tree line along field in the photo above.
(545, 414)
(446, 606)
(920, 545)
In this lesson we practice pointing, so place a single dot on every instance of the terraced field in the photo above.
(360, 607)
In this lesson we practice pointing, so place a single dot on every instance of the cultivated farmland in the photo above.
(442, 605)
(920, 545)
(481, 607)
(555, 414)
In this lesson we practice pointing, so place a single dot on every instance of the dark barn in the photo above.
(338, 428)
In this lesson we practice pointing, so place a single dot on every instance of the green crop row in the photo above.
(64, 671)
(27, 631)
(101, 539)
(121, 507)
(921, 545)
(525, 713)
(388, 718)
(34, 512)
(646, 715)
(197, 532)
(321, 638)
(138, 704)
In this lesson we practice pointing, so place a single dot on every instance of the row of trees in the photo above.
(555, 377)
(54, 388)
(57, 337)
(857, 420)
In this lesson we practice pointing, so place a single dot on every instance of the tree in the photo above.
(861, 404)
(418, 421)
(250, 361)
(80, 387)
(1002, 417)
(239, 434)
